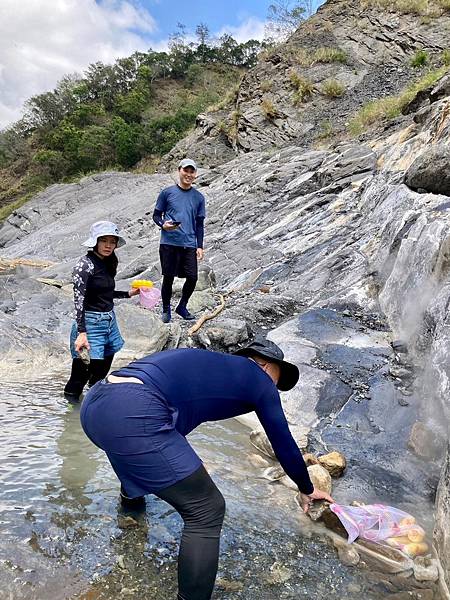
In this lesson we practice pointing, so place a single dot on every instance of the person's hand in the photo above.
(169, 226)
(306, 500)
(200, 253)
(133, 292)
(82, 342)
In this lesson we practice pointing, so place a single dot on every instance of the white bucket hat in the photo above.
(101, 228)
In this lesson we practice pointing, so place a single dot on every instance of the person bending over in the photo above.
(141, 414)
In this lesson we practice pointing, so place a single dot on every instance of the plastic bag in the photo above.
(380, 523)
(149, 297)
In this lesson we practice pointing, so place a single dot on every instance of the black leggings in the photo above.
(186, 292)
(202, 507)
(81, 374)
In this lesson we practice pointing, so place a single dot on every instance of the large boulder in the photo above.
(431, 171)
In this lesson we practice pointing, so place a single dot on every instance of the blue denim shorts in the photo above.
(102, 332)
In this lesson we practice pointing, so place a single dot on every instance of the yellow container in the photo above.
(142, 283)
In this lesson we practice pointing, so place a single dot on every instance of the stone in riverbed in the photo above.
(348, 555)
(425, 569)
(261, 442)
(320, 478)
(334, 463)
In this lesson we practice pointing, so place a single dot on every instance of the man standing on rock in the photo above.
(180, 213)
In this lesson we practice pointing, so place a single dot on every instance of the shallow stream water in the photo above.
(62, 533)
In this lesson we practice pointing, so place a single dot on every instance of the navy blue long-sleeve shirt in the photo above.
(210, 386)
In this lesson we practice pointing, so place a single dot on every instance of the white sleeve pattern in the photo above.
(80, 275)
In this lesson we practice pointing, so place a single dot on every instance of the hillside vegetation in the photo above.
(112, 116)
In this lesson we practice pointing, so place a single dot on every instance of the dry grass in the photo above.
(332, 88)
(391, 106)
(303, 87)
(268, 109)
(430, 9)
(266, 85)
(306, 58)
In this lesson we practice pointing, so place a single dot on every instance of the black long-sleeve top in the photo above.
(209, 386)
(93, 288)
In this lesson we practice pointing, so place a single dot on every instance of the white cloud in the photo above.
(42, 40)
(251, 28)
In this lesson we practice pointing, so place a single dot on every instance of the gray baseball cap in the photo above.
(101, 228)
(187, 162)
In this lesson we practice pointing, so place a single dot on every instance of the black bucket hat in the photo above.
(289, 373)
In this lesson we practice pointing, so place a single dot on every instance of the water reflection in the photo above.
(79, 460)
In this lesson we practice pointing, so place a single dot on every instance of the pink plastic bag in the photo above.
(149, 297)
(377, 522)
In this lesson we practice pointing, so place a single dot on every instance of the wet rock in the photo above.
(431, 170)
(412, 595)
(261, 442)
(310, 459)
(399, 346)
(256, 460)
(126, 522)
(277, 574)
(425, 441)
(223, 333)
(334, 463)
(273, 473)
(425, 569)
(347, 553)
(320, 478)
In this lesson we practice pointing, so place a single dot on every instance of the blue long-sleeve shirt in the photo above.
(210, 386)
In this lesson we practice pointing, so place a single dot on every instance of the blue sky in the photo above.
(43, 40)
(216, 15)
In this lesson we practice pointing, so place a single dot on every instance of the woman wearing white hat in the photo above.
(95, 328)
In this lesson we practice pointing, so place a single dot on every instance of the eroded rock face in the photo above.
(442, 530)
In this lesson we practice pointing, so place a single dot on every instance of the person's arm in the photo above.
(200, 226)
(131, 292)
(199, 231)
(160, 211)
(158, 217)
(272, 418)
(81, 273)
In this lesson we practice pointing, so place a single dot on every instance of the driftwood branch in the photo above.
(12, 263)
(207, 316)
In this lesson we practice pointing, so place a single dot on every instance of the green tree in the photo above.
(125, 138)
(95, 150)
(51, 164)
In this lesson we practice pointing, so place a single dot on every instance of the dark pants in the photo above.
(177, 261)
(82, 374)
(202, 507)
